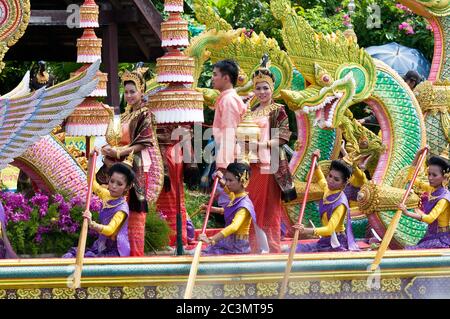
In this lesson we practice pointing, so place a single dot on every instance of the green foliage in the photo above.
(157, 232)
(328, 16)
(391, 18)
(23, 234)
(193, 200)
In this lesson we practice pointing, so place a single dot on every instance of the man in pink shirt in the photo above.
(229, 109)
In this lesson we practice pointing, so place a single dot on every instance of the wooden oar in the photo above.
(297, 232)
(84, 229)
(394, 221)
(197, 211)
(198, 249)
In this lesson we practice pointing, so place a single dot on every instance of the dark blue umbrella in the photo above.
(401, 58)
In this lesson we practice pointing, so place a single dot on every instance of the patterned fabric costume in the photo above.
(173, 166)
(113, 240)
(265, 188)
(137, 129)
(436, 206)
(238, 216)
(334, 212)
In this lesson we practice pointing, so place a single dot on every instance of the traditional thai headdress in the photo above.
(136, 76)
(243, 178)
(263, 74)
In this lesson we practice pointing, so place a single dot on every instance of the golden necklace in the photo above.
(265, 111)
(129, 115)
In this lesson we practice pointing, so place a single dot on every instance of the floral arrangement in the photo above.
(45, 224)
(51, 224)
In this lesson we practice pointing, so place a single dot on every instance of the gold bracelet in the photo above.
(212, 242)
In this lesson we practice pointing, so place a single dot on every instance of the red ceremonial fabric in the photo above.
(167, 201)
(266, 197)
(136, 233)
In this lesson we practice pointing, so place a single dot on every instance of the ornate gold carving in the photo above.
(175, 65)
(174, 28)
(29, 293)
(167, 292)
(267, 289)
(63, 293)
(234, 291)
(391, 285)
(176, 99)
(359, 286)
(433, 97)
(13, 28)
(89, 44)
(133, 292)
(98, 292)
(375, 198)
(202, 292)
(330, 287)
(299, 288)
(2, 293)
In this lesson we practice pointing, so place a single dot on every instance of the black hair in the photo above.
(230, 68)
(441, 162)
(413, 75)
(238, 168)
(341, 166)
(122, 169)
(266, 72)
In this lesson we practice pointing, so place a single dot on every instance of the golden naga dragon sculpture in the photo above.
(340, 75)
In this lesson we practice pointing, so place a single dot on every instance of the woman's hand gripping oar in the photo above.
(297, 231)
(198, 249)
(84, 228)
(394, 221)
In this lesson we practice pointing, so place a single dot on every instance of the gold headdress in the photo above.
(243, 178)
(136, 76)
(263, 74)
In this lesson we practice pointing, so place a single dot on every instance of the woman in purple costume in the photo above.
(435, 210)
(113, 227)
(334, 212)
(239, 214)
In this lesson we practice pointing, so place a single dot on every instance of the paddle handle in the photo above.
(198, 249)
(193, 271)
(297, 232)
(210, 202)
(398, 214)
(84, 228)
(308, 185)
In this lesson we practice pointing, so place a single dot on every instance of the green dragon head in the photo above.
(329, 101)
(338, 55)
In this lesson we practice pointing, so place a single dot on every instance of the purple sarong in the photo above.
(433, 238)
(346, 241)
(106, 246)
(324, 244)
(231, 245)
